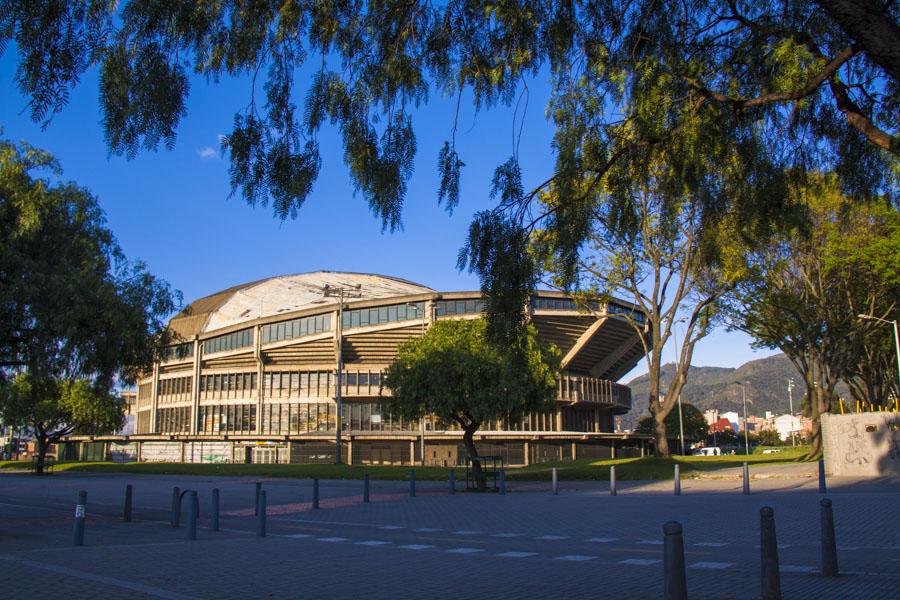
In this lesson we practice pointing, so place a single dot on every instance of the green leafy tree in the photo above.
(733, 96)
(454, 373)
(803, 291)
(694, 423)
(72, 308)
(770, 437)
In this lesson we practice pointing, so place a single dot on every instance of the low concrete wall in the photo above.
(863, 444)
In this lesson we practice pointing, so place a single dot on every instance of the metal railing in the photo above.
(579, 389)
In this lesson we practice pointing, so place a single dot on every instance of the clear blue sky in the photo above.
(172, 210)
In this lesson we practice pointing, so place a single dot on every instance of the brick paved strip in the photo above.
(111, 581)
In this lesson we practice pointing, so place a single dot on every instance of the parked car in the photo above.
(708, 451)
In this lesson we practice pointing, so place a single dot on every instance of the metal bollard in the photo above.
(80, 510)
(768, 544)
(193, 509)
(256, 498)
(677, 480)
(366, 487)
(823, 489)
(452, 481)
(412, 483)
(126, 515)
(555, 483)
(502, 483)
(261, 514)
(674, 578)
(829, 544)
(214, 514)
(746, 480)
(175, 515)
(316, 492)
(612, 480)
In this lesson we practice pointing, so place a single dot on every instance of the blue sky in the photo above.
(172, 209)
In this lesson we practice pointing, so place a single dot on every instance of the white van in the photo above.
(708, 451)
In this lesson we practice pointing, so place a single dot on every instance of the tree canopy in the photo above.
(454, 373)
(739, 98)
(74, 312)
(695, 425)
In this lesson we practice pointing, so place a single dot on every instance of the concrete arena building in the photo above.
(254, 380)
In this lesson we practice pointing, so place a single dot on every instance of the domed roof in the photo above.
(282, 294)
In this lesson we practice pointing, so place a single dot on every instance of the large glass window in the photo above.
(229, 341)
(288, 330)
(444, 308)
(383, 314)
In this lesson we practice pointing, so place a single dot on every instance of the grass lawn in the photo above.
(650, 468)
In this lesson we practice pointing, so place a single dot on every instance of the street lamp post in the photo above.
(791, 401)
(896, 336)
(340, 293)
(680, 417)
(746, 433)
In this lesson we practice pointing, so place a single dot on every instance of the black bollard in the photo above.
(261, 514)
(452, 481)
(677, 480)
(829, 544)
(555, 483)
(822, 487)
(674, 579)
(315, 493)
(746, 480)
(256, 497)
(412, 483)
(366, 487)
(175, 515)
(193, 510)
(126, 515)
(214, 513)
(502, 482)
(612, 480)
(80, 511)
(768, 544)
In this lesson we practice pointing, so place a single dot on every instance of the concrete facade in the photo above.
(862, 444)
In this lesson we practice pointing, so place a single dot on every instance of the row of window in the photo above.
(145, 394)
(229, 418)
(277, 332)
(227, 385)
(229, 341)
(291, 419)
(173, 420)
(178, 351)
(383, 314)
(175, 389)
(458, 307)
(543, 303)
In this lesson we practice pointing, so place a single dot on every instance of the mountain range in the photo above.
(766, 385)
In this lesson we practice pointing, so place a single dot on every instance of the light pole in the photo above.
(791, 401)
(896, 336)
(422, 420)
(340, 293)
(746, 433)
(677, 374)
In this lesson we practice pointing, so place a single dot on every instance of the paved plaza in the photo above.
(582, 543)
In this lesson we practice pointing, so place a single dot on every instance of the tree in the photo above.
(73, 310)
(454, 373)
(693, 422)
(649, 247)
(770, 437)
(53, 409)
(803, 291)
(733, 95)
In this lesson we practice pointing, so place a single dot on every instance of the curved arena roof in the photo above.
(282, 294)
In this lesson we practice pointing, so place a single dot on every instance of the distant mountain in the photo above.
(716, 387)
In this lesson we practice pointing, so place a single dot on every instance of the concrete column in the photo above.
(195, 390)
(527, 450)
(349, 456)
(574, 451)
(260, 373)
(612, 452)
(559, 419)
(154, 403)
(412, 452)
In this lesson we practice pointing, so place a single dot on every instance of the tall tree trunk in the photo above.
(42, 446)
(659, 434)
(469, 441)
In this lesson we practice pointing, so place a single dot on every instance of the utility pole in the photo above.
(791, 400)
(746, 433)
(340, 293)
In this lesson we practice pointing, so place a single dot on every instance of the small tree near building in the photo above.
(454, 373)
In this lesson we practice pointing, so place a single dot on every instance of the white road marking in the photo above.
(372, 543)
(600, 540)
(517, 554)
(426, 530)
(639, 561)
(711, 565)
(416, 546)
(711, 544)
(464, 532)
(333, 539)
(575, 557)
(391, 527)
(552, 537)
(651, 542)
(506, 535)
(465, 550)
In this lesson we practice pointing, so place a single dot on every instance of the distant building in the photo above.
(732, 418)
